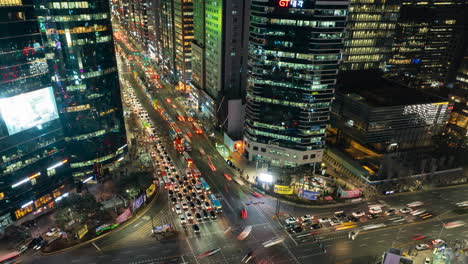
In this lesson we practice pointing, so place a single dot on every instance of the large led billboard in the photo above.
(27, 110)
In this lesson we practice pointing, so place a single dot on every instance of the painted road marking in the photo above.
(363, 245)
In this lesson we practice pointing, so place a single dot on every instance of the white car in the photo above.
(414, 204)
(422, 247)
(358, 214)
(427, 261)
(53, 232)
(306, 218)
(324, 220)
(335, 222)
(183, 221)
(185, 206)
(177, 209)
(418, 212)
(290, 220)
(375, 210)
(438, 242)
(189, 215)
(405, 210)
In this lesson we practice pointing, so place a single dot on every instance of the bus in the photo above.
(180, 116)
(10, 258)
(204, 184)
(197, 128)
(216, 204)
(187, 159)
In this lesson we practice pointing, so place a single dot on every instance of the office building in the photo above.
(383, 134)
(83, 66)
(294, 55)
(219, 62)
(133, 17)
(428, 42)
(34, 165)
(183, 30)
(369, 34)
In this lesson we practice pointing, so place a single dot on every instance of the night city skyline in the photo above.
(233, 131)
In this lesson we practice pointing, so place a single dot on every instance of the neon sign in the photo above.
(291, 3)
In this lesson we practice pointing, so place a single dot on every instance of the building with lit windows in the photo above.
(34, 164)
(133, 17)
(81, 58)
(369, 34)
(295, 49)
(183, 30)
(219, 60)
(384, 134)
(428, 42)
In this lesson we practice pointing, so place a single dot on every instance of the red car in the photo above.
(227, 176)
(256, 194)
(243, 213)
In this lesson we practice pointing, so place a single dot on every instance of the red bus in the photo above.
(197, 128)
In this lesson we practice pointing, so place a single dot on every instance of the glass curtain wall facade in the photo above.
(427, 42)
(295, 49)
(82, 60)
(34, 166)
(166, 39)
(183, 29)
(369, 34)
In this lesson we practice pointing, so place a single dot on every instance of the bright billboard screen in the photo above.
(28, 110)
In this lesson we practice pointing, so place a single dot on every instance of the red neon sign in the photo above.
(284, 3)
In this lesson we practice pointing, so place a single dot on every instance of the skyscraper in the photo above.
(427, 42)
(369, 34)
(295, 49)
(82, 60)
(183, 30)
(219, 61)
(34, 165)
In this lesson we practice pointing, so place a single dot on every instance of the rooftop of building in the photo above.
(373, 89)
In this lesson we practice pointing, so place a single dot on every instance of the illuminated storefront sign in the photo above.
(291, 3)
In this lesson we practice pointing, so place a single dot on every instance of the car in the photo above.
(438, 242)
(212, 215)
(324, 220)
(295, 228)
(207, 205)
(192, 205)
(335, 222)
(53, 232)
(405, 210)
(390, 211)
(422, 247)
(174, 200)
(418, 211)
(198, 188)
(23, 249)
(40, 245)
(243, 213)
(228, 177)
(185, 206)
(205, 214)
(194, 195)
(177, 209)
(358, 214)
(201, 197)
(372, 216)
(415, 204)
(179, 196)
(185, 191)
(189, 215)
(196, 229)
(375, 210)
(340, 215)
(177, 177)
(35, 242)
(188, 198)
(198, 217)
(427, 261)
(186, 179)
(181, 183)
(193, 181)
(290, 220)
(198, 203)
(315, 226)
(352, 219)
(183, 221)
(306, 218)
(171, 193)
